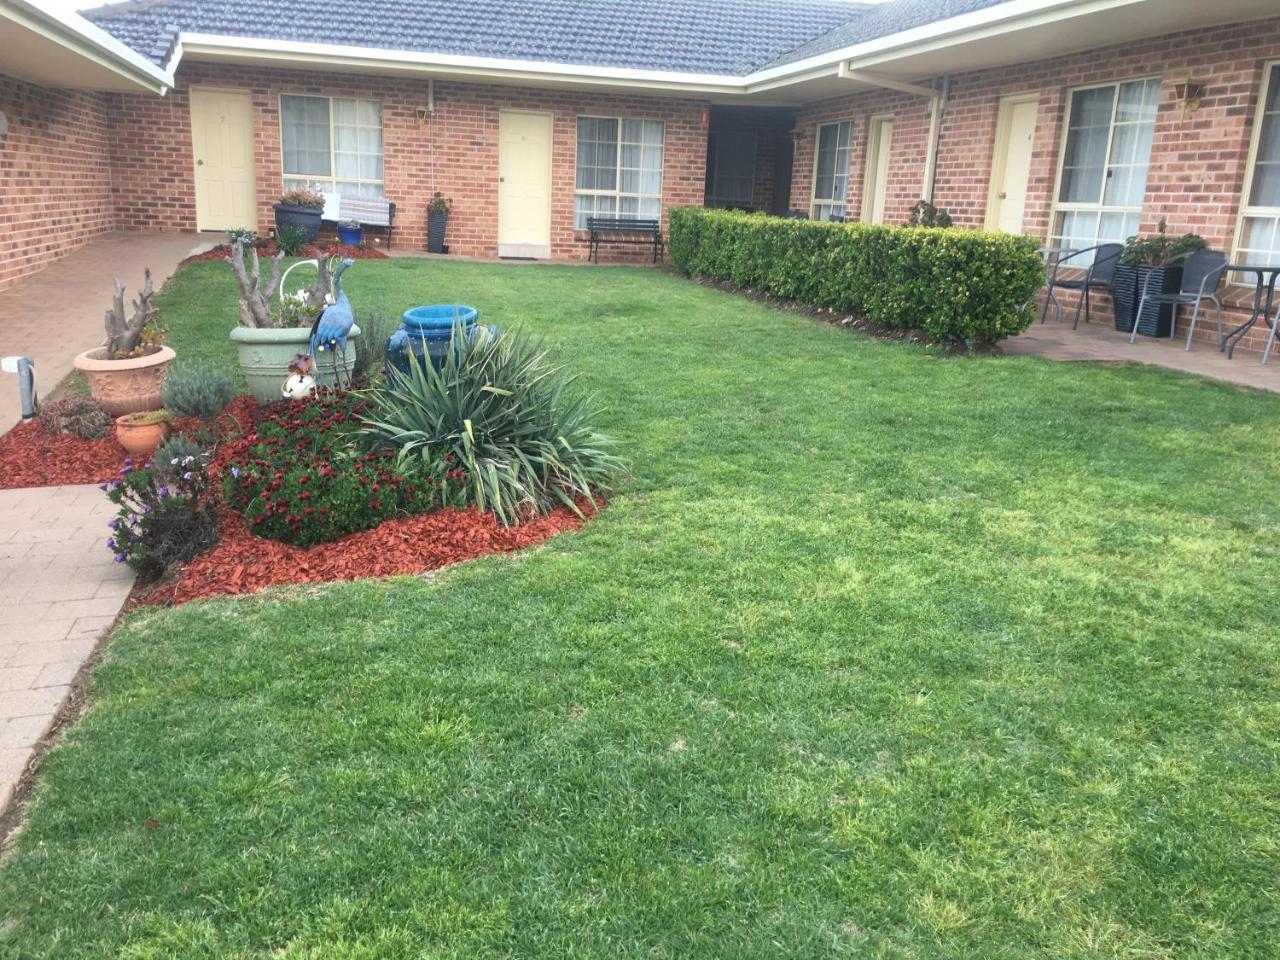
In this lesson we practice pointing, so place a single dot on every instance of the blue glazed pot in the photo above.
(351, 236)
(425, 332)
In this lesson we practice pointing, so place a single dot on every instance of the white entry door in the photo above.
(1011, 163)
(524, 184)
(222, 147)
(876, 184)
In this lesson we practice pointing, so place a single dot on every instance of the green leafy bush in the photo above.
(172, 452)
(960, 284)
(299, 477)
(499, 422)
(1160, 250)
(245, 236)
(190, 390)
(290, 240)
(165, 516)
(81, 417)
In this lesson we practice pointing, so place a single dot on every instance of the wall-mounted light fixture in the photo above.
(796, 136)
(1188, 94)
(421, 114)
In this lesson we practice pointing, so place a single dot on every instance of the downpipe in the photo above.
(25, 368)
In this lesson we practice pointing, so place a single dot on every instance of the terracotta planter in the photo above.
(141, 438)
(266, 352)
(125, 386)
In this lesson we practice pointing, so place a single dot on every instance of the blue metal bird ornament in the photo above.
(330, 330)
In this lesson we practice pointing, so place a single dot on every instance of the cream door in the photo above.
(1011, 163)
(524, 184)
(876, 187)
(222, 145)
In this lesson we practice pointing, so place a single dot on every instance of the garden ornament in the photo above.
(335, 321)
(25, 368)
(300, 384)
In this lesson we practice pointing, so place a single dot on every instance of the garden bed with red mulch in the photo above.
(312, 250)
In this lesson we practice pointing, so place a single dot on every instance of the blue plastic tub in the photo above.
(351, 236)
(427, 331)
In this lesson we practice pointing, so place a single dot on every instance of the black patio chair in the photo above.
(796, 215)
(1100, 274)
(835, 218)
(1202, 274)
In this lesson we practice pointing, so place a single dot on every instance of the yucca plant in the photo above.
(499, 422)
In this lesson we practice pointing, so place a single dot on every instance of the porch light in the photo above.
(1188, 94)
(421, 114)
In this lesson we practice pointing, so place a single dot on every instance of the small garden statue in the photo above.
(330, 330)
(300, 384)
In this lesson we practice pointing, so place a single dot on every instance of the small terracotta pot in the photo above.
(125, 386)
(141, 439)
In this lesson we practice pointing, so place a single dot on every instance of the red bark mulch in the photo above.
(242, 563)
(312, 250)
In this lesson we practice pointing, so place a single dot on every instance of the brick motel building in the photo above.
(1072, 121)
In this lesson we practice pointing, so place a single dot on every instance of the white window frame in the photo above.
(814, 200)
(618, 193)
(333, 148)
(1270, 68)
(1100, 208)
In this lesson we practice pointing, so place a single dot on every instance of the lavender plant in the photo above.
(165, 515)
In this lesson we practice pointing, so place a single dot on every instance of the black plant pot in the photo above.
(1124, 296)
(308, 218)
(1156, 319)
(436, 224)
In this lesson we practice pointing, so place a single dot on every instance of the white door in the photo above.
(524, 184)
(876, 186)
(222, 147)
(1011, 163)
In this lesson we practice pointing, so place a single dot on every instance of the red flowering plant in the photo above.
(300, 477)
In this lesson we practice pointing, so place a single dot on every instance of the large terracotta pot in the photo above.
(266, 352)
(125, 386)
(142, 437)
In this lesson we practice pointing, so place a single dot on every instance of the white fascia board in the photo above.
(89, 40)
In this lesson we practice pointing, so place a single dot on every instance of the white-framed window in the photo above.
(1258, 236)
(331, 144)
(831, 169)
(1102, 172)
(619, 169)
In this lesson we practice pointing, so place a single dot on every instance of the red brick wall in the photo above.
(54, 175)
(152, 158)
(1198, 161)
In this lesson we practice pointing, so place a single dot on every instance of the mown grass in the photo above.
(877, 655)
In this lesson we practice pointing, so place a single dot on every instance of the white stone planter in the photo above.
(265, 355)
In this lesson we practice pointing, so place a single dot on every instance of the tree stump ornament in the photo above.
(255, 300)
(124, 332)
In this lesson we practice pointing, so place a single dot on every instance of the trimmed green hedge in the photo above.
(962, 284)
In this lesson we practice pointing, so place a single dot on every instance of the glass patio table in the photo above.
(1265, 279)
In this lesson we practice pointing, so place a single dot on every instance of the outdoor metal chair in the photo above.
(1202, 274)
(1100, 273)
(796, 215)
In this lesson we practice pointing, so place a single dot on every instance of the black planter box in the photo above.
(436, 224)
(308, 218)
(1124, 296)
(1157, 318)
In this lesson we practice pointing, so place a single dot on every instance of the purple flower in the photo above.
(163, 491)
(120, 558)
(235, 472)
(111, 543)
(114, 524)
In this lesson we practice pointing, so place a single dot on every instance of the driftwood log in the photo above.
(124, 332)
(255, 300)
(321, 288)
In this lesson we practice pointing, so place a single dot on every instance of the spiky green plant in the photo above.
(500, 421)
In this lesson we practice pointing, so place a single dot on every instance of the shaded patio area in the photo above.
(55, 314)
(1101, 342)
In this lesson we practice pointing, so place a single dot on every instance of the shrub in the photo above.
(1160, 250)
(300, 478)
(958, 284)
(193, 391)
(165, 516)
(290, 240)
(376, 328)
(81, 417)
(302, 197)
(498, 421)
(244, 236)
(172, 452)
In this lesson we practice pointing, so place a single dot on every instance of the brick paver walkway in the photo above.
(1102, 342)
(60, 590)
(52, 315)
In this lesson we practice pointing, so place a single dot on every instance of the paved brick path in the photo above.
(60, 590)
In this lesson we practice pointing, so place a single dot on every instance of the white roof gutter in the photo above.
(77, 34)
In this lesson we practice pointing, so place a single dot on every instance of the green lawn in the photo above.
(877, 654)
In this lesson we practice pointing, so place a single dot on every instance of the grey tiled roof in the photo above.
(725, 37)
(881, 21)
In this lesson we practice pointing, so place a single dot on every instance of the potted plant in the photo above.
(300, 208)
(1158, 257)
(140, 433)
(273, 330)
(126, 374)
(350, 233)
(437, 220)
